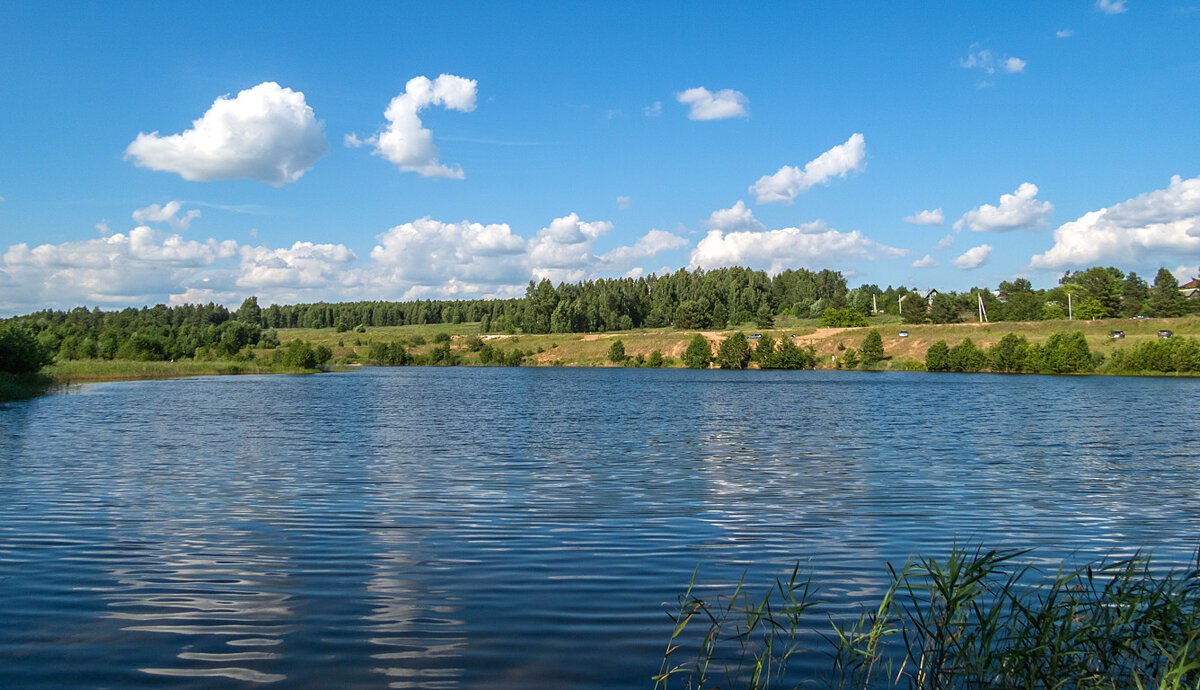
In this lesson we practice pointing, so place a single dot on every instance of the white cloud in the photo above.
(408, 144)
(624, 202)
(653, 110)
(645, 247)
(973, 257)
(430, 253)
(1020, 210)
(303, 265)
(926, 261)
(1, 200)
(810, 245)
(839, 161)
(419, 259)
(267, 133)
(1184, 273)
(1164, 222)
(934, 217)
(706, 105)
(735, 218)
(1111, 6)
(138, 267)
(984, 59)
(1065, 33)
(166, 213)
(944, 243)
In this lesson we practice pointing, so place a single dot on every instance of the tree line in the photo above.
(686, 300)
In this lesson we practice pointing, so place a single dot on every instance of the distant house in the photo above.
(928, 295)
(1191, 289)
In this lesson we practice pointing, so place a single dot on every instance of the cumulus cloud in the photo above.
(934, 217)
(1111, 6)
(811, 244)
(303, 265)
(1020, 210)
(418, 259)
(735, 218)
(973, 257)
(1065, 33)
(431, 257)
(839, 161)
(926, 261)
(944, 243)
(624, 202)
(166, 213)
(123, 268)
(1164, 222)
(267, 133)
(706, 105)
(1014, 65)
(405, 141)
(429, 253)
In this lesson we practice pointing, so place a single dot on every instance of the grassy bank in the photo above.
(589, 350)
(23, 386)
(970, 620)
(92, 370)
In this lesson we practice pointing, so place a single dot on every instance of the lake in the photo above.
(528, 528)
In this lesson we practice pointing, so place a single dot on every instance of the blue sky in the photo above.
(183, 152)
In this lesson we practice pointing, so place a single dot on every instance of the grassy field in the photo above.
(590, 349)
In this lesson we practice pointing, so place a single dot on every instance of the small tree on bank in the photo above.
(698, 354)
(734, 352)
(616, 352)
(872, 348)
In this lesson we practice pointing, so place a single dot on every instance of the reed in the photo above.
(975, 619)
(23, 386)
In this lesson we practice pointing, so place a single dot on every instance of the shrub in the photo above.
(937, 357)
(842, 318)
(734, 352)
(616, 352)
(441, 337)
(966, 356)
(850, 358)
(655, 359)
(698, 354)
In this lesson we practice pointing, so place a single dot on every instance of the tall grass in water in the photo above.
(975, 619)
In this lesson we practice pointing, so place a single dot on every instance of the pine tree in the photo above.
(872, 348)
(734, 352)
(698, 354)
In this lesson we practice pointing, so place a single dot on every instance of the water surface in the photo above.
(524, 528)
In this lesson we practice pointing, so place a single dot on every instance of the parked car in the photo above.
(755, 336)
(1164, 333)
(1116, 334)
(1141, 316)
(903, 334)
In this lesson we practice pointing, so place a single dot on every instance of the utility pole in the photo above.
(1070, 311)
(901, 303)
